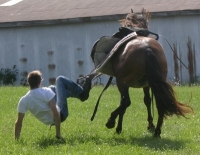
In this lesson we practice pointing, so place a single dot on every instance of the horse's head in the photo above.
(134, 20)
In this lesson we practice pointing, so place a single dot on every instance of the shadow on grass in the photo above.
(145, 142)
(45, 142)
(153, 143)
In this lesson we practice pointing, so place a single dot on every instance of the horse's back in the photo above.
(129, 63)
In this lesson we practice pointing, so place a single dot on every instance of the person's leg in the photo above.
(53, 88)
(66, 88)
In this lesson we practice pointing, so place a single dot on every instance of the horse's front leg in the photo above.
(125, 102)
(147, 101)
(111, 121)
(120, 120)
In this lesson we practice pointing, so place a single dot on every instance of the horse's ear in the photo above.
(131, 10)
(146, 14)
(143, 11)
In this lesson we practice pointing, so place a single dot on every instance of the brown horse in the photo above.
(141, 63)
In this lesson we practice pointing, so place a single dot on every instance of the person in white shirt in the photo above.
(49, 104)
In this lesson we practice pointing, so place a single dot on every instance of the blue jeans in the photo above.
(65, 88)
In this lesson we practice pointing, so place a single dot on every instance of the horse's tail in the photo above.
(162, 90)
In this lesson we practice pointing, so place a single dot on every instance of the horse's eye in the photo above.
(128, 18)
(135, 21)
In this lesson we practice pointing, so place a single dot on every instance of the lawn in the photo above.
(180, 136)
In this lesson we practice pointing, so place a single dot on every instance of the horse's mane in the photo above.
(141, 18)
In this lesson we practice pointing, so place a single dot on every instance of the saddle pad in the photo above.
(103, 48)
(105, 67)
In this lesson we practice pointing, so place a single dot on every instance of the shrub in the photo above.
(8, 76)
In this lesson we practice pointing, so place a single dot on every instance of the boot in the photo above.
(86, 89)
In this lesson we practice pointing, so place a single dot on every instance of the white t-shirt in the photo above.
(37, 102)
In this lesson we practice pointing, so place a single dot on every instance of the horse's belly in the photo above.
(137, 83)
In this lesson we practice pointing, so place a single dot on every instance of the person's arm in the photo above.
(18, 125)
(56, 114)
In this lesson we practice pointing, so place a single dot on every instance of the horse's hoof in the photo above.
(157, 136)
(157, 133)
(110, 124)
(151, 128)
(118, 131)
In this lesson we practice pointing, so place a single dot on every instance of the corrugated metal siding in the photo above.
(178, 30)
(65, 49)
(55, 50)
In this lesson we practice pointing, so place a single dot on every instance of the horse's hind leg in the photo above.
(147, 101)
(160, 120)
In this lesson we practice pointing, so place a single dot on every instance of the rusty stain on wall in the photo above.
(51, 66)
(181, 66)
(176, 66)
(52, 80)
(79, 49)
(191, 61)
(80, 62)
(24, 73)
(23, 59)
(50, 52)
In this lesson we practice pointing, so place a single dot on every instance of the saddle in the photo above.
(107, 46)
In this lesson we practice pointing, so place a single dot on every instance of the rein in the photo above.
(97, 104)
(173, 51)
(145, 32)
(94, 75)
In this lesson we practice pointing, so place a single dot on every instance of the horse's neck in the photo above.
(135, 29)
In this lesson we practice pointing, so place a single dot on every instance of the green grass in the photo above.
(179, 135)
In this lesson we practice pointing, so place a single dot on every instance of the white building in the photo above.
(57, 36)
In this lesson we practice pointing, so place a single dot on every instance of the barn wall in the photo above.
(182, 32)
(55, 50)
(65, 49)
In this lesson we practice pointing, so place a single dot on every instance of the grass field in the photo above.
(180, 136)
